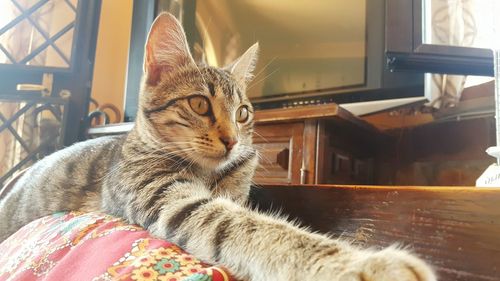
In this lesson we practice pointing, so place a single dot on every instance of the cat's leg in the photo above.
(258, 247)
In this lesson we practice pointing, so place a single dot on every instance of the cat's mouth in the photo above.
(222, 156)
(215, 160)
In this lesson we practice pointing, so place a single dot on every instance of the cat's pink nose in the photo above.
(228, 142)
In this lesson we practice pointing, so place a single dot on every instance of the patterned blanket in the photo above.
(93, 246)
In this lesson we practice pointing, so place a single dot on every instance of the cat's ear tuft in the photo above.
(166, 48)
(242, 69)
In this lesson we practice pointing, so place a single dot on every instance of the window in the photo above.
(441, 36)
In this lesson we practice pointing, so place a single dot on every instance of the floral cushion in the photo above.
(92, 246)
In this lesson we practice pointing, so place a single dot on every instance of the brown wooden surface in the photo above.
(309, 146)
(330, 111)
(325, 126)
(321, 145)
(457, 230)
(438, 154)
(301, 113)
(280, 148)
(346, 154)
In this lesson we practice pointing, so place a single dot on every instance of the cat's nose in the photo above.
(229, 142)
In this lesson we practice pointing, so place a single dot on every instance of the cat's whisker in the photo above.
(263, 157)
(261, 80)
(264, 67)
(261, 136)
(255, 184)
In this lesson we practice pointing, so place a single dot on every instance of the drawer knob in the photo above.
(282, 158)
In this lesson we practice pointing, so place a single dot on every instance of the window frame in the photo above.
(405, 50)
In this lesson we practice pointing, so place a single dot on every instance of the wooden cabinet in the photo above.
(280, 151)
(347, 152)
(314, 145)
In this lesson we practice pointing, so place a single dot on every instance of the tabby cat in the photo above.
(184, 173)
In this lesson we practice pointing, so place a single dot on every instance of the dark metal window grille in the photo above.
(48, 118)
(49, 41)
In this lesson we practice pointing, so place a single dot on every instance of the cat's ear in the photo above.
(166, 48)
(242, 68)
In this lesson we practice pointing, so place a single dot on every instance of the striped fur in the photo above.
(175, 175)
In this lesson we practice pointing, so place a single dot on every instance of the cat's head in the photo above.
(200, 113)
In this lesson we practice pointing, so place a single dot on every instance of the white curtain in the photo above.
(449, 22)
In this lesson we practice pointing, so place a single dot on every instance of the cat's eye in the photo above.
(242, 114)
(199, 104)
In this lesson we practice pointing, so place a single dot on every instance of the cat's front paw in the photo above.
(388, 265)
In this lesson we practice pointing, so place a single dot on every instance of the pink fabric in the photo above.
(93, 246)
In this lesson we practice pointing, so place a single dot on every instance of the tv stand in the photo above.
(314, 144)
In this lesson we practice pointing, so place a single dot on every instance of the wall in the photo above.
(112, 53)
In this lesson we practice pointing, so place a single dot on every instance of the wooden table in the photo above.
(457, 230)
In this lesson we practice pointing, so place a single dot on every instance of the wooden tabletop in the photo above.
(456, 229)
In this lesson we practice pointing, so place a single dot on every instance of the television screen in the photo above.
(305, 46)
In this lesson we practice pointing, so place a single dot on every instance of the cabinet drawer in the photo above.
(280, 150)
